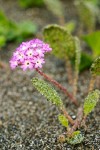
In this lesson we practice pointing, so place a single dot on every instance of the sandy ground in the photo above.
(27, 120)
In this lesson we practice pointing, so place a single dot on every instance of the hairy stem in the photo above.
(67, 116)
(77, 122)
(69, 71)
(61, 20)
(58, 86)
(75, 85)
(77, 63)
(98, 82)
(92, 82)
(83, 122)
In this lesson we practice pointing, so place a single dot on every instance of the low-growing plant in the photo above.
(65, 46)
(30, 55)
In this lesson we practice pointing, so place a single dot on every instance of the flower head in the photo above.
(38, 62)
(27, 64)
(29, 55)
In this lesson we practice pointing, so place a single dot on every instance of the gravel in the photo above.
(29, 122)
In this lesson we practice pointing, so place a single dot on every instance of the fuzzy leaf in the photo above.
(62, 119)
(47, 90)
(60, 40)
(55, 6)
(95, 68)
(91, 101)
(76, 138)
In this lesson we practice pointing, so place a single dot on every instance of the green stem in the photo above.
(75, 84)
(92, 82)
(77, 122)
(61, 20)
(98, 82)
(69, 71)
(67, 116)
(77, 63)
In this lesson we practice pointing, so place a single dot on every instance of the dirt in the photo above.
(27, 120)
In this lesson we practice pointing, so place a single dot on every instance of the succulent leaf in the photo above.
(76, 138)
(61, 41)
(91, 101)
(62, 119)
(95, 68)
(47, 90)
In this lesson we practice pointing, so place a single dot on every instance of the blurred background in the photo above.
(24, 19)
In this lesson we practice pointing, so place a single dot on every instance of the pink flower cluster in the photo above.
(30, 55)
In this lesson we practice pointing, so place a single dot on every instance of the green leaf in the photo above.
(61, 41)
(95, 2)
(26, 28)
(47, 90)
(76, 138)
(2, 40)
(30, 3)
(70, 26)
(93, 40)
(3, 18)
(12, 32)
(62, 119)
(91, 101)
(55, 6)
(4, 24)
(86, 61)
(95, 68)
(15, 31)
